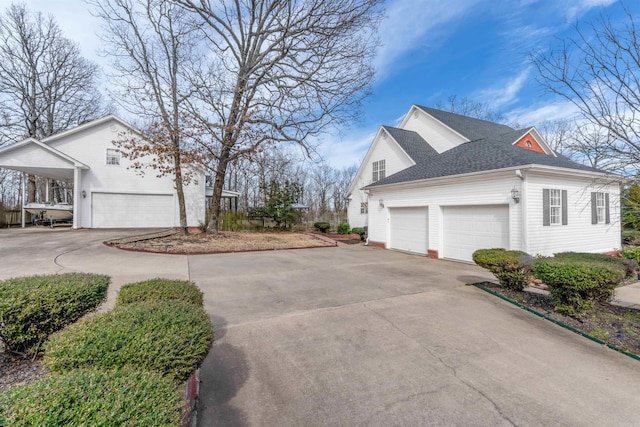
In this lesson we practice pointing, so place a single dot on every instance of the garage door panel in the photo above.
(124, 210)
(408, 229)
(468, 228)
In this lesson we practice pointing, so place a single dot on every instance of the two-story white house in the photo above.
(445, 185)
(107, 191)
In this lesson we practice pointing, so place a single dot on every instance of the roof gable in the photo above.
(89, 125)
(471, 128)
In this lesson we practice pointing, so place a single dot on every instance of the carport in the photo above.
(36, 158)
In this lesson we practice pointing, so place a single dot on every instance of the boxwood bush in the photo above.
(160, 290)
(576, 285)
(343, 228)
(32, 308)
(169, 337)
(508, 266)
(94, 398)
(322, 226)
(630, 266)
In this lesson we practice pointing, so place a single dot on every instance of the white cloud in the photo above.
(506, 93)
(577, 8)
(414, 24)
(343, 152)
(534, 115)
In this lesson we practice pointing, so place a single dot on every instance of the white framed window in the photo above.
(113, 157)
(600, 207)
(555, 207)
(378, 170)
(364, 207)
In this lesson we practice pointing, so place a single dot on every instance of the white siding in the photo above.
(439, 136)
(494, 189)
(382, 148)
(579, 234)
(90, 147)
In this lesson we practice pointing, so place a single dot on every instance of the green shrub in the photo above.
(360, 231)
(631, 253)
(322, 226)
(630, 236)
(508, 266)
(94, 398)
(169, 337)
(575, 285)
(628, 265)
(32, 308)
(160, 290)
(344, 228)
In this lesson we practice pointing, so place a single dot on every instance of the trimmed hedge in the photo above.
(94, 398)
(628, 265)
(575, 286)
(508, 266)
(169, 337)
(322, 226)
(343, 228)
(32, 308)
(156, 290)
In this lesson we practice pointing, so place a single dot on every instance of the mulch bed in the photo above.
(616, 326)
(349, 239)
(15, 370)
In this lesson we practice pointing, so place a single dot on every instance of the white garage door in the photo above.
(408, 228)
(123, 210)
(468, 228)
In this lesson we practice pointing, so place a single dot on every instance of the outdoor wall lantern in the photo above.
(84, 194)
(515, 194)
(381, 202)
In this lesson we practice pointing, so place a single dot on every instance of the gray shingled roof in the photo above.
(490, 148)
(412, 143)
(469, 127)
(478, 156)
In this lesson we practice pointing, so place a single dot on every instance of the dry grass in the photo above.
(226, 241)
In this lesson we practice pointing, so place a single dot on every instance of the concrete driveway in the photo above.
(362, 336)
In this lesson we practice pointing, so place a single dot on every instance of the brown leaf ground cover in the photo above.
(616, 326)
(226, 241)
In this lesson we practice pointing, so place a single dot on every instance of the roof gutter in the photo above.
(553, 169)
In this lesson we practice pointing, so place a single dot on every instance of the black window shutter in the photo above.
(607, 217)
(546, 216)
(565, 216)
(594, 208)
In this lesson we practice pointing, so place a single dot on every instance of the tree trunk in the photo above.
(214, 208)
(31, 189)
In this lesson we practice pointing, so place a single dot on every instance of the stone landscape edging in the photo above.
(557, 322)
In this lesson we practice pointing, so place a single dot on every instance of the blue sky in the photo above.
(431, 49)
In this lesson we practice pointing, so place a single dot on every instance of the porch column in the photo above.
(77, 193)
(24, 197)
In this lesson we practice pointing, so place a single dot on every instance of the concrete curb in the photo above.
(191, 393)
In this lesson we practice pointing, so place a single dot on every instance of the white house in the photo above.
(106, 192)
(444, 185)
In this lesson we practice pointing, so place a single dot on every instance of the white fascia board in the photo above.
(552, 170)
(76, 163)
(91, 124)
(400, 146)
(417, 108)
(539, 139)
(352, 185)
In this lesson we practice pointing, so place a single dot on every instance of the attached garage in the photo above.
(468, 228)
(409, 229)
(128, 210)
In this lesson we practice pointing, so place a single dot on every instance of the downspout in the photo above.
(24, 196)
(523, 208)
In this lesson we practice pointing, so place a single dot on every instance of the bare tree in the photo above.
(469, 107)
(598, 71)
(281, 71)
(153, 47)
(46, 86)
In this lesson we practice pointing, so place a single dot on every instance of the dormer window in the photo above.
(378, 170)
(527, 144)
(113, 157)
